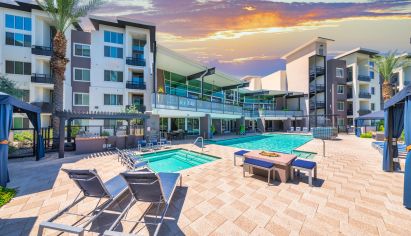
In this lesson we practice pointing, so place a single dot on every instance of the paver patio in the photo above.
(352, 196)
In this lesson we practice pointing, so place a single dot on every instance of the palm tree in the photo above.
(63, 13)
(385, 66)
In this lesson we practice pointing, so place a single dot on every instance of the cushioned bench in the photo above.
(259, 164)
(303, 165)
(239, 154)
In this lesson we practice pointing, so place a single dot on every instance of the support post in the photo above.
(323, 148)
(61, 138)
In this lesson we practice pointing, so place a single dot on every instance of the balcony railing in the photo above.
(349, 95)
(167, 101)
(42, 78)
(319, 88)
(362, 112)
(364, 78)
(350, 112)
(140, 108)
(135, 61)
(317, 105)
(364, 95)
(41, 50)
(45, 107)
(135, 85)
(317, 71)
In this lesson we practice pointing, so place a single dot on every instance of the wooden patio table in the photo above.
(282, 163)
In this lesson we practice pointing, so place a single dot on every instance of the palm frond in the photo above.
(385, 65)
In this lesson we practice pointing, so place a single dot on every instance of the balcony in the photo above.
(42, 50)
(366, 95)
(45, 107)
(364, 78)
(140, 108)
(319, 88)
(317, 71)
(279, 113)
(364, 112)
(135, 85)
(135, 61)
(350, 112)
(349, 94)
(317, 105)
(42, 78)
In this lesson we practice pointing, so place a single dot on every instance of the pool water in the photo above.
(285, 143)
(175, 160)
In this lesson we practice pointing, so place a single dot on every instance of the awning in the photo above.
(378, 115)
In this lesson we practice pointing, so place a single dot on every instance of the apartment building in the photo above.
(306, 72)
(363, 88)
(402, 75)
(25, 50)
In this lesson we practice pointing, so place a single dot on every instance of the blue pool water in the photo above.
(175, 160)
(285, 143)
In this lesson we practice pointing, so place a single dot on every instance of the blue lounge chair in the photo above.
(142, 145)
(165, 143)
(91, 186)
(154, 144)
(147, 186)
(239, 154)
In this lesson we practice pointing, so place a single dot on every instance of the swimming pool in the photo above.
(175, 160)
(271, 142)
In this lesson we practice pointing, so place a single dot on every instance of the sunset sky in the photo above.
(248, 37)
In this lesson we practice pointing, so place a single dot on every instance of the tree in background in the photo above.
(63, 13)
(9, 87)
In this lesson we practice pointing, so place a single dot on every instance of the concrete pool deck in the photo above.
(352, 195)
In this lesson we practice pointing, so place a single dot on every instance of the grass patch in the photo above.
(366, 135)
(6, 194)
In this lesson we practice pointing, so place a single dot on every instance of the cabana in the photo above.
(359, 121)
(398, 118)
(8, 105)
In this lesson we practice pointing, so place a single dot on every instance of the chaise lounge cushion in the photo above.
(241, 152)
(260, 163)
(304, 164)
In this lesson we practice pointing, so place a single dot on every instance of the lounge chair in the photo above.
(131, 160)
(165, 143)
(91, 186)
(291, 129)
(154, 144)
(147, 186)
(297, 129)
(305, 129)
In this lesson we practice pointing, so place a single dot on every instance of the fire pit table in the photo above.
(282, 163)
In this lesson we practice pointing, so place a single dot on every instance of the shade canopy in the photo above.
(378, 115)
(398, 119)
(8, 105)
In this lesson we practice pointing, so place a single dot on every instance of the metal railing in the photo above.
(202, 142)
(362, 112)
(42, 78)
(135, 85)
(41, 50)
(364, 95)
(167, 101)
(364, 78)
(135, 61)
(318, 71)
(45, 107)
(317, 88)
(139, 107)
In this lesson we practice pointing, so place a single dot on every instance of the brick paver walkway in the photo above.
(352, 196)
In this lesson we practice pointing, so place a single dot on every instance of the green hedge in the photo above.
(366, 135)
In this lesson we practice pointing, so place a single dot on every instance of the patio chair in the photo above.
(91, 186)
(291, 129)
(305, 129)
(154, 188)
(142, 145)
(133, 161)
(154, 144)
(165, 143)
(297, 129)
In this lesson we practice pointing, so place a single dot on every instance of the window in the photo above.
(18, 22)
(81, 99)
(340, 121)
(340, 106)
(113, 52)
(372, 74)
(340, 89)
(371, 65)
(372, 90)
(109, 124)
(113, 76)
(137, 78)
(113, 99)
(20, 123)
(339, 72)
(372, 106)
(18, 67)
(113, 37)
(81, 74)
(15, 39)
(81, 50)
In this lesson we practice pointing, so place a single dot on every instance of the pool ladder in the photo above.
(202, 142)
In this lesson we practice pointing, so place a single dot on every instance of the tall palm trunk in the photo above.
(387, 91)
(58, 64)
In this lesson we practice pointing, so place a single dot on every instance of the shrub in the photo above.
(6, 194)
(23, 136)
(366, 135)
(105, 133)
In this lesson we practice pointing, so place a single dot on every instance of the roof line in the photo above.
(320, 39)
(359, 50)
